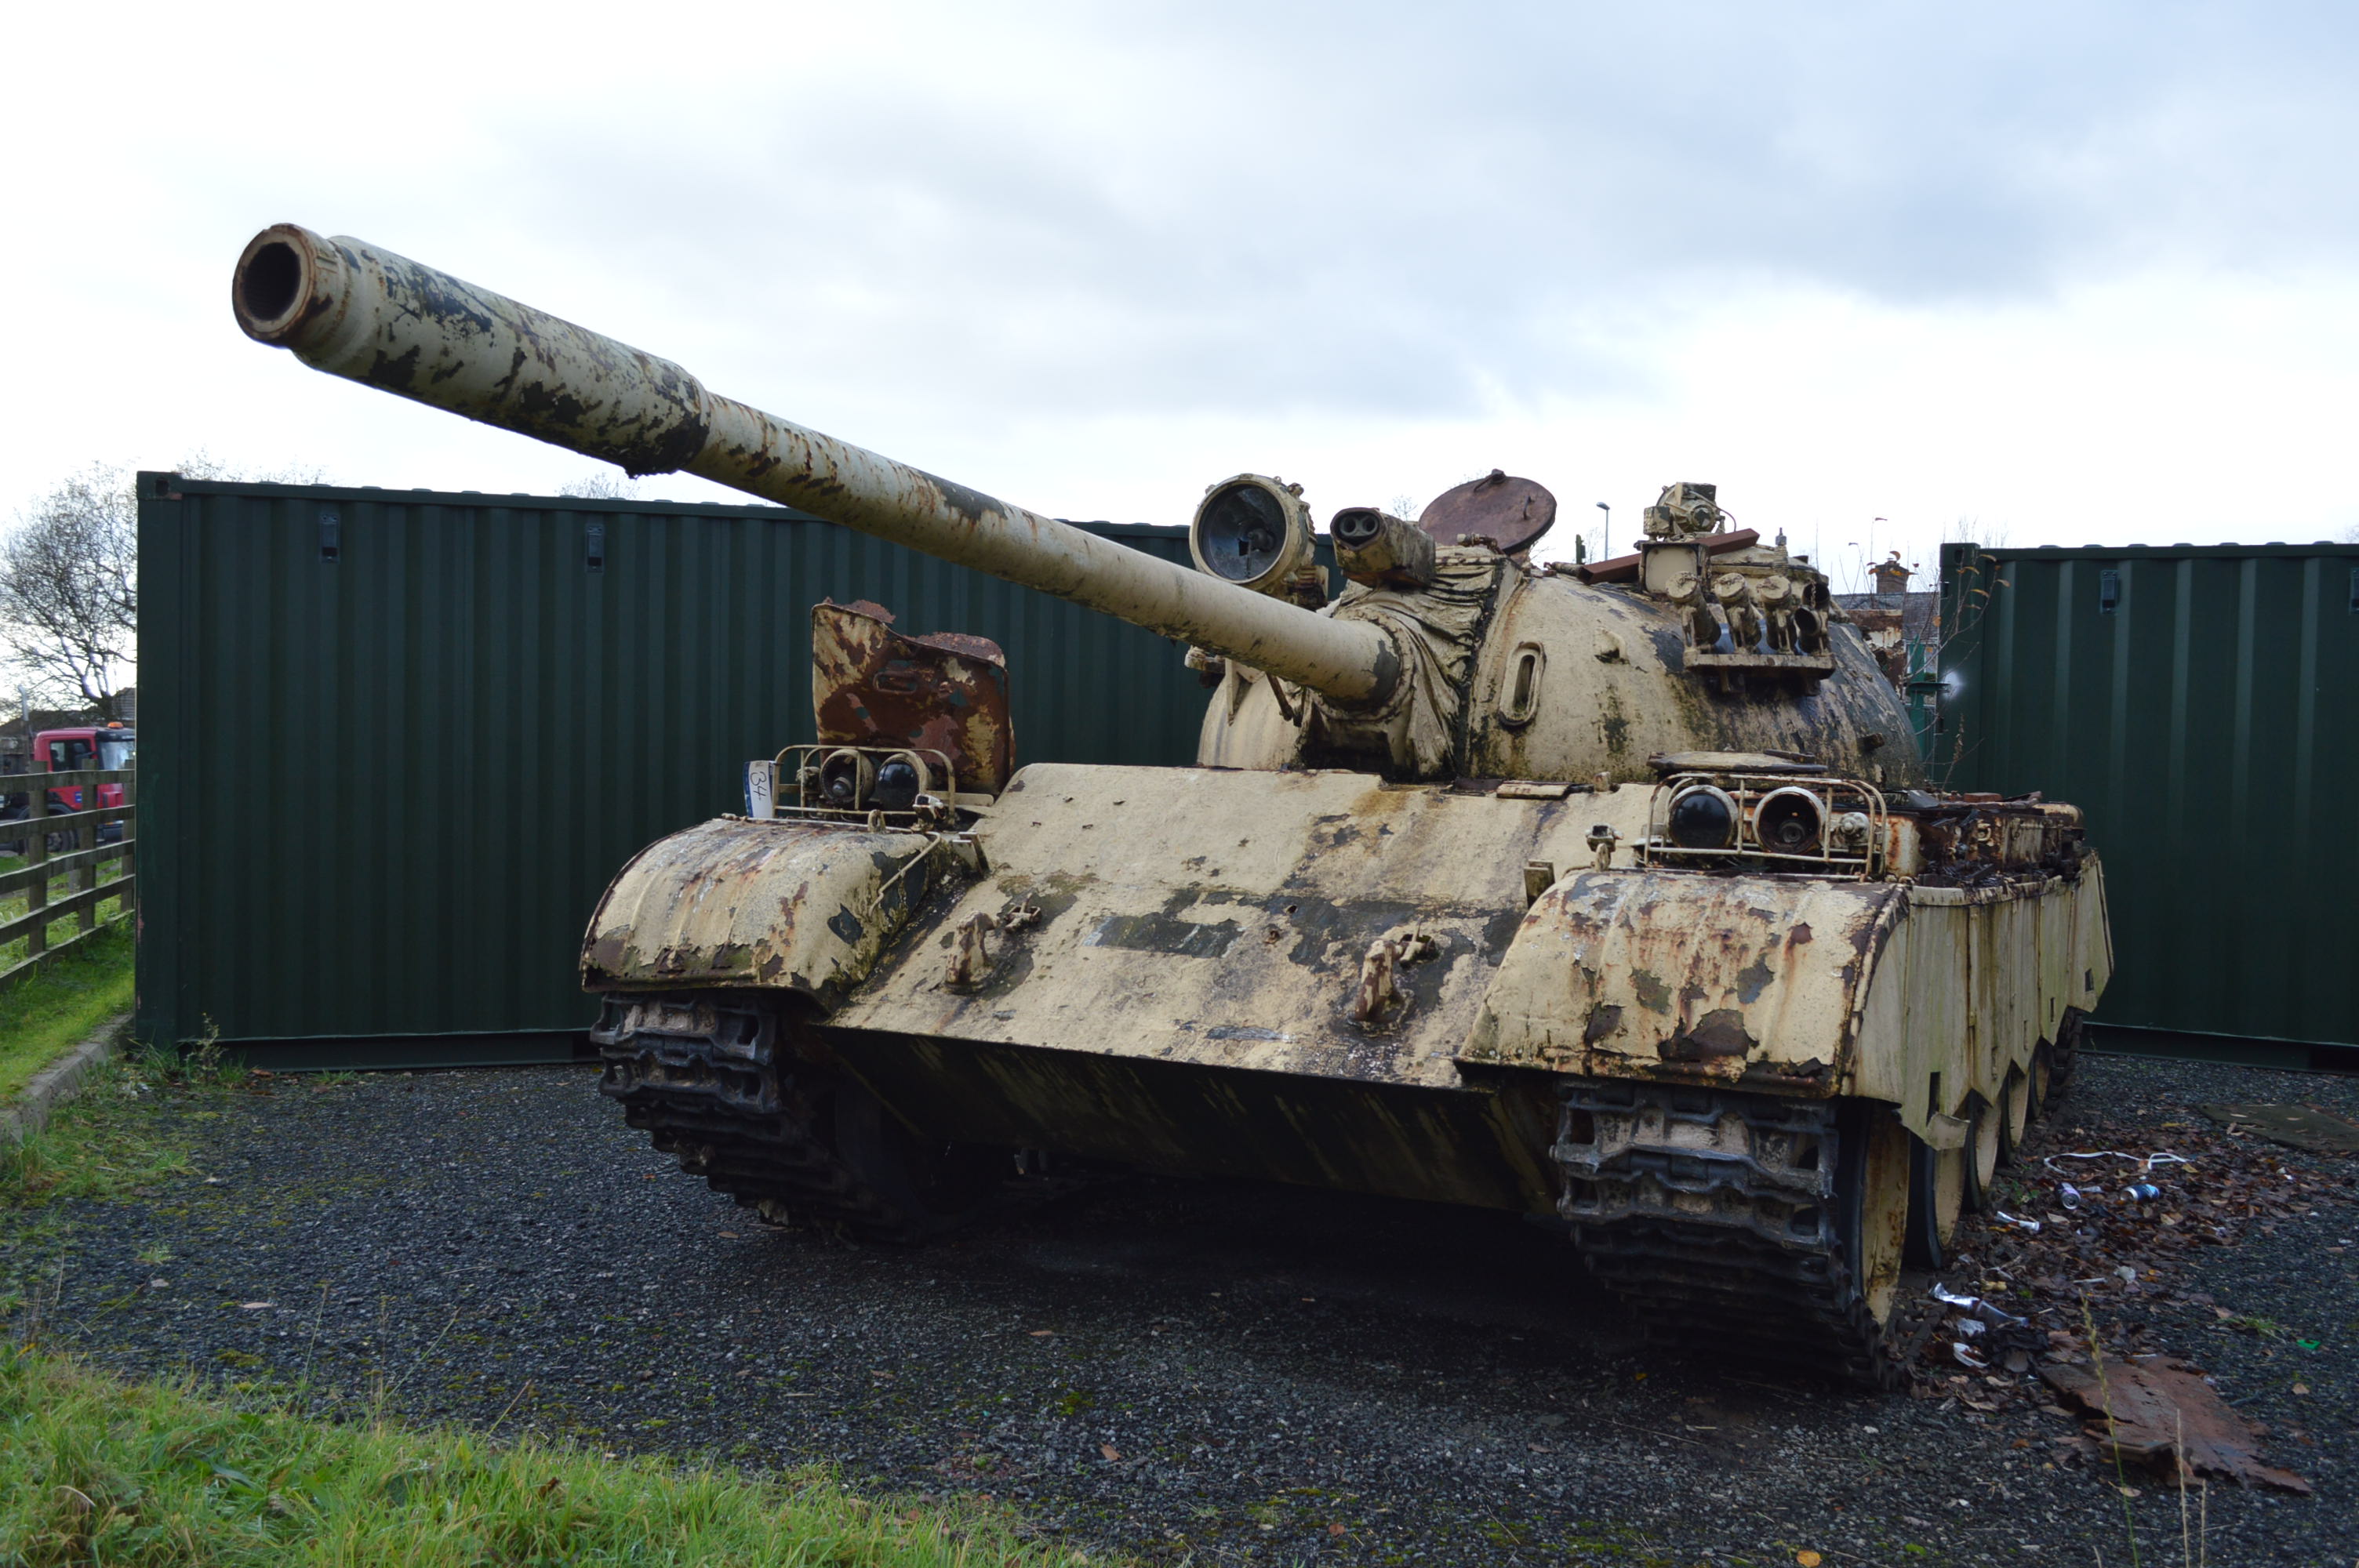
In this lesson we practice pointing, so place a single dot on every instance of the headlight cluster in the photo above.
(1774, 818)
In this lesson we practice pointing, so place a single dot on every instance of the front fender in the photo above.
(1686, 977)
(799, 906)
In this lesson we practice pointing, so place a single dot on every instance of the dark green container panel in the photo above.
(386, 788)
(2201, 705)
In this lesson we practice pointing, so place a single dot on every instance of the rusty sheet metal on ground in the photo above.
(873, 685)
(2295, 1126)
(2164, 1416)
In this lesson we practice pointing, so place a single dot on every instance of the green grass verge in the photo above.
(117, 1141)
(45, 1012)
(93, 1470)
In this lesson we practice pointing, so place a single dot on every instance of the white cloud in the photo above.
(2079, 273)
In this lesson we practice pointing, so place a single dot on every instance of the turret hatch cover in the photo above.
(1509, 512)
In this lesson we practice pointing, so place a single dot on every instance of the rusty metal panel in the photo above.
(944, 693)
(2201, 705)
(396, 742)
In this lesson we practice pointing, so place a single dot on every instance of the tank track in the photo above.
(703, 1076)
(1719, 1215)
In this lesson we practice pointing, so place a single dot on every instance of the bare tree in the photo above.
(70, 581)
(601, 485)
(70, 588)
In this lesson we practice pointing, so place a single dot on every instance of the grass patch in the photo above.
(120, 1137)
(93, 1470)
(103, 1145)
(49, 1009)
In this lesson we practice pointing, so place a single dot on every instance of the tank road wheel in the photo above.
(1937, 1196)
(2067, 1052)
(2043, 1079)
(1982, 1154)
(729, 1084)
(2014, 1114)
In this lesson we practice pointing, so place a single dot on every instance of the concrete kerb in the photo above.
(58, 1081)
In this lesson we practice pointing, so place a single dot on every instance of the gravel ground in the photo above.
(1181, 1370)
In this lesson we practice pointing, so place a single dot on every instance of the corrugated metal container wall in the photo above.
(397, 742)
(2201, 705)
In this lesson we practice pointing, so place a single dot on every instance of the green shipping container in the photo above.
(2201, 705)
(395, 743)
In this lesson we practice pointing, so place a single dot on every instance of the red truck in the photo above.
(89, 746)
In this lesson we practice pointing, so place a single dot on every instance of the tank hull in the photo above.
(1171, 958)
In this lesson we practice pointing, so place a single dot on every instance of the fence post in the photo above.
(126, 871)
(37, 854)
(84, 878)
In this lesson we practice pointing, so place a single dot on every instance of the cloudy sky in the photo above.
(2052, 274)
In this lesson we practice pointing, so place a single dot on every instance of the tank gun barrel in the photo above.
(362, 312)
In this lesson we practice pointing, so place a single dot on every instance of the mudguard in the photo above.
(1673, 975)
(803, 907)
(1915, 995)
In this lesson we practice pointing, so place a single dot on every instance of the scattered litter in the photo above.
(2069, 1195)
(1980, 1310)
(2156, 1411)
(2145, 1192)
(1966, 1355)
(2006, 1219)
(2145, 1161)
(2295, 1126)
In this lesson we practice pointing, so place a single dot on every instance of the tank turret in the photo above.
(1447, 654)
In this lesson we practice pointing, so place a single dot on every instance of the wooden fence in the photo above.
(78, 862)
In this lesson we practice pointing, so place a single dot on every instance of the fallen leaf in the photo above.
(731, 1233)
(1110, 1451)
(2301, 1387)
(1043, 1333)
(1809, 1559)
(1335, 1530)
(252, 1307)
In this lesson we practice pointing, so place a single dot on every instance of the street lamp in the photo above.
(1609, 526)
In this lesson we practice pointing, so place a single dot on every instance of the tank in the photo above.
(1614, 894)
